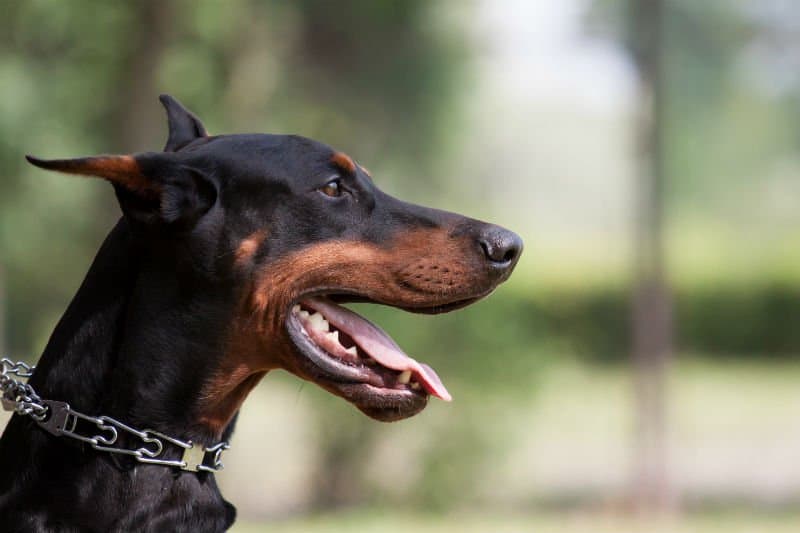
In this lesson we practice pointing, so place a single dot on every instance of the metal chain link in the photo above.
(59, 419)
(16, 396)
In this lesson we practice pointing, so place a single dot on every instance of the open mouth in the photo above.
(360, 360)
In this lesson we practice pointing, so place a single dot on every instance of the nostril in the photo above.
(500, 246)
(510, 254)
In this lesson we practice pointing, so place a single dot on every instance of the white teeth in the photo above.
(318, 322)
(303, 314)
(404, 377)
(352, 351)
(296, 309)
(334, 336)
(415, 386)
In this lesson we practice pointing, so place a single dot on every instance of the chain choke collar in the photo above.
(101, 432)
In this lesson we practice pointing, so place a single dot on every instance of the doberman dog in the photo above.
(233, 257)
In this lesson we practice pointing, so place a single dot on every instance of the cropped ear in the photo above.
(184, 126)
(151, 187)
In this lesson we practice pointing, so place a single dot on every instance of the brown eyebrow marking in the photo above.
(344, 162)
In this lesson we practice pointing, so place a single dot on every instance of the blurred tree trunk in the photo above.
(339, 483)
(137, 113)
(651, 312)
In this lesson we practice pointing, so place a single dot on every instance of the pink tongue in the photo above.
(374, 341)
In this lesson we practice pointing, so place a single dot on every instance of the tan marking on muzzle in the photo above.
(389, 272)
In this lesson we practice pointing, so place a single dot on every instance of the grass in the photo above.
(382, 521)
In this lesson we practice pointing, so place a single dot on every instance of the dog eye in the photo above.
(332, 188)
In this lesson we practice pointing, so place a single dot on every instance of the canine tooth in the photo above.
(318, 322)
(404, 377)
(303, 314)
(296, 308)
(415, 386)
(352, 350)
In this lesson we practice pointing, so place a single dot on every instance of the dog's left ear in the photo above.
(152, 187)
(184, 126)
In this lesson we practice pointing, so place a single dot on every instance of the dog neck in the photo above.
(128, 347)
(138, 342)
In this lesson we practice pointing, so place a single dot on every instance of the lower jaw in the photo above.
(386, 405)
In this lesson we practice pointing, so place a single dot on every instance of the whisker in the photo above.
(299, 390)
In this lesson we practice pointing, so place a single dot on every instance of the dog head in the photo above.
(292, 229)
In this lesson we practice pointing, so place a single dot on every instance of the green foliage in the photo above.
(741, 321)
(720, 320)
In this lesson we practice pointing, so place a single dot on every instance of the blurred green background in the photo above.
(523, 112)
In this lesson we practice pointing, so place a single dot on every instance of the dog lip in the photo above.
(385, 405)
(344, 297)
(446, 308)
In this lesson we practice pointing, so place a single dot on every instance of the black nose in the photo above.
(501, 247)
